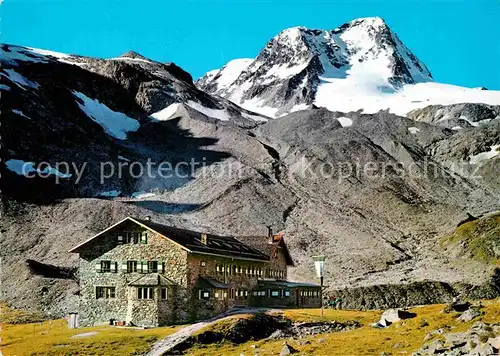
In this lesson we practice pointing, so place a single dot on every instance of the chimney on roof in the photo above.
(204, 239)
(270, 233)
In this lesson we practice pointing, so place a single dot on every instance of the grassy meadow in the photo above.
(403, 338)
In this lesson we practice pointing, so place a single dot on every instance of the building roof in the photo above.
(287, 284)
(209, 283)
(268, 246)
(224, 246)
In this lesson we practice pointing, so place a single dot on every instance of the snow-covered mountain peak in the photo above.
(224, 77)
(297, 65)
(361, 64)
(291, 37)
(375, 22)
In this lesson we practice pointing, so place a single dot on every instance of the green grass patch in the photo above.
(54, 338)
(14, 316)
(403, 337)
(478, 240)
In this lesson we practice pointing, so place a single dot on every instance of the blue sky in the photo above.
(458, 40)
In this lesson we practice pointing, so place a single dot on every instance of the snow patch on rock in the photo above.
(114, 123)
(167, 113)
(18, 79)
(27, 168)
(110, 193)
(345, 121)
(215, 113)
(20, 113)
(484, 156)
(142, 195)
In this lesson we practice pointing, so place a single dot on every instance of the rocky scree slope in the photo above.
(302, 174)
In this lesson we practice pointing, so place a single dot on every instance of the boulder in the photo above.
(391, 316)
(300, 330)
(287, 350)
(469, 314)
(456, 339)
(470, 342)
(460, 307)
(436, 346)
(482, 350)
(494, 342)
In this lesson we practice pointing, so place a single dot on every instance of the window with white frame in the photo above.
(145, 293)
(105, 266)
(105, 292)
(131, 266)
(204, 294)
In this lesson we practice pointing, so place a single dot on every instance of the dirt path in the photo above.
(164, 345)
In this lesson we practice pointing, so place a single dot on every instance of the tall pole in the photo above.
(319, 265)
(321, 295)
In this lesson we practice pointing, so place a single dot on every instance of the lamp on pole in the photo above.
(319, 265)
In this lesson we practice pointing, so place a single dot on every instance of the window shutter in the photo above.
(98, 267)
(113, 267)
(124, 266)
(163, 267)
(144, 237)
(120, 239)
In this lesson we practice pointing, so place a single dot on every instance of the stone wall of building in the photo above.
(182, 271)
(287, 297)
(277, 265)
(106, 247)
(241, 285)
(228, 273)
